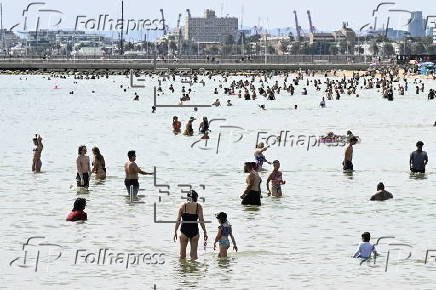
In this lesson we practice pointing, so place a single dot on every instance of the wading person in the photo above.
(189, 214)
(132, 170)
(276, 180)
(418, 159)
(348, 156)
(251, 195)
(98, 164)
(36, 163)
(83, 168)
(222, 237)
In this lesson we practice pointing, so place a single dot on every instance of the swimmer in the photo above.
(36, 163)
(381, 193)
(276, 180)
(176, 125)
(348, 156)
(222, 237)
(322, 104)
(98, 164)
(83, 168)
(132, 170)
(77, 213)
(191, 211)
(365, 248)
(262, 107)
(153, 109)
(228, 103)
(418, 159)
(216, 103)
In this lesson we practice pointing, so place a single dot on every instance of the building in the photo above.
(321, 37)
(345, 33)
(417, 25)
(210, 28)
(8, 39)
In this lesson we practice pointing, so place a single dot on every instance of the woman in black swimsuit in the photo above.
(189, 214)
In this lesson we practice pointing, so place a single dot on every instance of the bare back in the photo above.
(131, 170)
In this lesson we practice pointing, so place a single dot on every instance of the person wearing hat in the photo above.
(418, 159)
(224, 231)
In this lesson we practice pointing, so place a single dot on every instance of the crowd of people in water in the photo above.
(190, 214)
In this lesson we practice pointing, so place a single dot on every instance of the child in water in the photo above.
(224, 231)
(77, 214)
(365, 248)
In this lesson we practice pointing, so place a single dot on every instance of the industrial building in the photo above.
(210, 28)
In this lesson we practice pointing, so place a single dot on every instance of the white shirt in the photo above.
(364, 250)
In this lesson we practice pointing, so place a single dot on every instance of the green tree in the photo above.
(295, 48)
(284, 46)
(388, 49)
(374, 48)
(418, 48)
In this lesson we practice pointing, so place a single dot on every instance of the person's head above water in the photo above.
(222, 217)
(175, 118)
(380, 186)
(260, 145)
(132, 155)
(81, 150)
(419, 145)
(353, 140)
(79, 204)
(366, 237)
(192, 196)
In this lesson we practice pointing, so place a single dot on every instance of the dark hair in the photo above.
(380, 186)
(81, 147)
(97, 153)
(419, 143)
(250, 165)
(276, 161)
(353, 139)
(366, 237)
(222, 217)
(192, 195)
(131, 153)
(79, 204)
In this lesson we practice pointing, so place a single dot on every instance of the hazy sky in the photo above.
(326, 14)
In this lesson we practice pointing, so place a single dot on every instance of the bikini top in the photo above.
(226, 229)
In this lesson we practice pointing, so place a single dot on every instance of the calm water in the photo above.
(303, 240)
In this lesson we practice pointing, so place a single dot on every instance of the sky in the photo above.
(327, 15)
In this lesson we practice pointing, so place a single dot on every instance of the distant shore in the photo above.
(120, 65)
